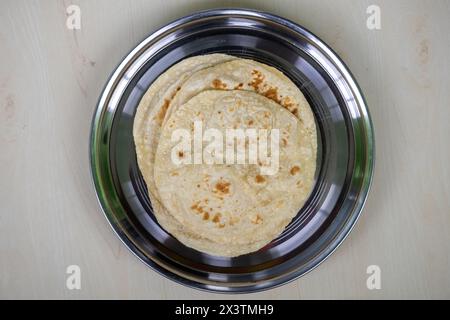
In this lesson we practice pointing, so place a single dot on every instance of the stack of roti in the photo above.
(225, 209)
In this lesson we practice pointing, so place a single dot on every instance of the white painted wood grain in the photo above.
(51, 77)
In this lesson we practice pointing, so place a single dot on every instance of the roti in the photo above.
(174, 89)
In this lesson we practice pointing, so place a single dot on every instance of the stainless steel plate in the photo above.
(346, 149)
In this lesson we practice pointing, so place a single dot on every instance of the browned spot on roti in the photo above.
(257, 80)
(205, 216)
(272, 94)
(295, 170)
(259, 179)
(284, 142)
(181, 154)
(222, 187)
(162, 112)
(257, 219)
(288, 103)
(175, 92)
(196, 207)
(239, 86)
(216, 218)
(217, 84)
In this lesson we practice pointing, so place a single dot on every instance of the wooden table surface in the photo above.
(51, 77)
